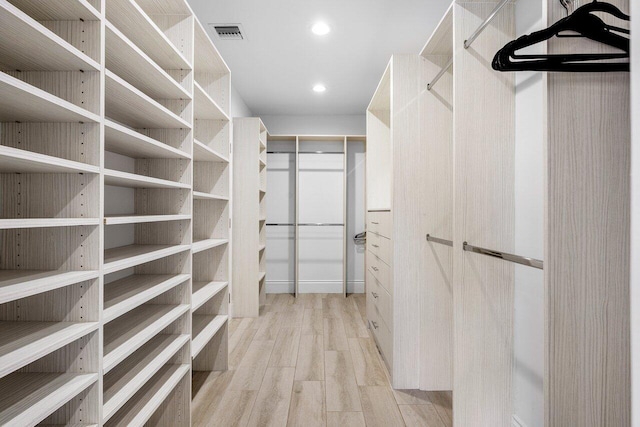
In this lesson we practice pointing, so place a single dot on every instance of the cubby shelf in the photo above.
(23, 342)
(205, 154)
(15, 160)
(128, 61)
(22, 102)
(122, 140)
(127, 104)
(204, 291)
(204, 328)
(137, 219)
(116, 259)
(132, 20)
(205, 107)
(199, 195)
(16, 284)
(7, 224)
(128, 293)
(25, 44)
(203, 245)
(148, 399)
(132, 180)
(128, 333)
(126, 379)
(36, 395)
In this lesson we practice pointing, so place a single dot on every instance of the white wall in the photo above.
(635, 212)
(316, 125)
(237, 106)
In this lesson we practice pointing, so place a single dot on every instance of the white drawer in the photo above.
(380, 270)
(380, 246)
(380, 298)
(379, 222)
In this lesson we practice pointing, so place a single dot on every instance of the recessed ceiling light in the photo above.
(320, 29)
(319, 88)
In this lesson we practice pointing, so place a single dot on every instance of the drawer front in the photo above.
(380, 246)
(382, 334)
(380, 298)
(380, 270)
(379, 223)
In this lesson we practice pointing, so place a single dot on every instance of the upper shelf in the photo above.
(59, 10)
(122, 140)
(132, 20)
(203, 153)
(207, 58)
(205, 107)
(25, 44)
(441, 40)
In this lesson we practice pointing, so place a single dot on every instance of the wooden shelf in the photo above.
(128, 61)
(124, 381)
(129, 18)
(128, 333)
(261, 276)
(203, 245)
(204, 291)
(122, 140)
(15, 160)
(59, 10)
(126, 179)
(25, 44)
(208, 60)
(263, 164)
(35, 396)
(261, 248)
(205, 107)
(127, 104)
(126, 294)
(262, 219)
(145, 402)
(17, 284)
(22, 102)
(23, 342)
(7, 224)
(137, 219)
(122, 257)
(204, 328)
(199, 195)
(202, 153)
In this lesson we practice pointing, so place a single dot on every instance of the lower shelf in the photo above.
(35, 396)
(204, 291)
(204, 328)
(141, 407)
(203, 245)
(122, 257)
(16, 284)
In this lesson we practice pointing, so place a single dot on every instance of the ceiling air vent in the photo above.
(228, 32)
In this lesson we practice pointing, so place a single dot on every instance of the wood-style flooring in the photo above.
(309, 362)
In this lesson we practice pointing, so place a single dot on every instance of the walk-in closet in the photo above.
(247, 213)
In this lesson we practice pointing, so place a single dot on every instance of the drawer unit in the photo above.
(380, 298)
(380, 270)
(382, 335)
(380, 246)
(379, 222)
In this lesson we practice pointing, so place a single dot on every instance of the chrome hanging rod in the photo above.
(320, 152)
(280, 225)
(430, 238)
(440, 74)
(281, 152)
(530, 262)
(320, 224)
(492, 15)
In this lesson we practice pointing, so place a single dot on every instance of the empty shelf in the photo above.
(132, 180)
(131, 292)
(22, 102)
(16, 284)
(122, 140)
(204, 291)
(15, 160)
(203, 245)
(25, 44)
(129, 105)
(199, 195)
(131, 19)
(208, 60)
(130, 376)
(203, 153)
(137, 219)
(204, 327)
(35, 396)
(145, 402)
(59, 10)
(23, 342)
(205, 107)
(128, 333)
(6, 224)
(122, 257)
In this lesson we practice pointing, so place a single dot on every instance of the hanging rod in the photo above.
(440, 74)
(280, 225)
(281, 152)
(320, 152)
(530, 262)
(430, 238)
(476, 33)
(320, 224)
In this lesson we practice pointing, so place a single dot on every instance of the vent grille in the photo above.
(229, 32)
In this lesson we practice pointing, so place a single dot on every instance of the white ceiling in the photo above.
(280, 60)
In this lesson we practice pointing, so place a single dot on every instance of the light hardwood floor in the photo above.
(309, 362)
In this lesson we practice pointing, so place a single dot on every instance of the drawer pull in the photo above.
(374, 324)
(373, 222)
(374, 294)
(375, 246)
(374, 268)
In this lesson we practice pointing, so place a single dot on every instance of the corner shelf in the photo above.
(122, 140)
(17, 284)
(122, 257)
(203, 245)
(204, 292)
(204, 328)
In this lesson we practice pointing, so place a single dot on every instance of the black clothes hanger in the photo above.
(587, 25)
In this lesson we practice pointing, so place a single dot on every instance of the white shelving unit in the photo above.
(114, 211)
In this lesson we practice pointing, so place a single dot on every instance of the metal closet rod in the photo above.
(305, 152)
(309, 224)
(430, 238)
(440, 74)
(530, 262)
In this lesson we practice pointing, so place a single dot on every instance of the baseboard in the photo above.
(314, 287)
(517, 422)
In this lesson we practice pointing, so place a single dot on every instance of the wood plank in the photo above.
(312, 323)
(343, 419)
(208, 390)
(307, 405)
(420, 416)
(249, 374)
(443, 402)
(272, 403)
(310, 363)
(238, 346)
(234, 409)
(379, 407)
(412, 397)
(341, 388)
(270, 327)
(334, 335)
(366, 363)
(285, 350)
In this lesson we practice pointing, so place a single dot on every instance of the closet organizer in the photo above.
(523, 236)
